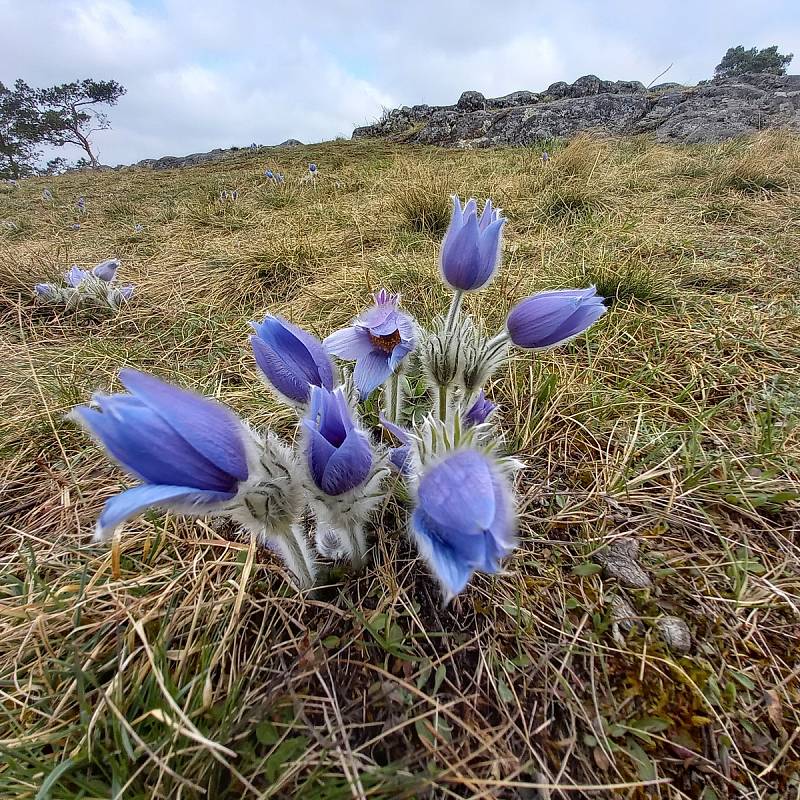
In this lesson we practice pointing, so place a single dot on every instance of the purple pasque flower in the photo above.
(76, 276)
(400, 456)
(46, 291)
(189, 452)
(480, 410)
(126, 292)
(81, 203)
(548, 319)
(378, 341)
(464, 519)
(290, 359)
(269, 174)
(106, 270)
(471, 247)
(339, 454)
(312, 168)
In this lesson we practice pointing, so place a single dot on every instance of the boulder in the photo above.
(471, 101)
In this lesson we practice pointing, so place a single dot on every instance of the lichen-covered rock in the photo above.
(675, 633)
(620, 561)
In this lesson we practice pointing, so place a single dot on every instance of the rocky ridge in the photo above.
(711, 111)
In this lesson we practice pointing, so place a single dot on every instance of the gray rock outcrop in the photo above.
(710, 112)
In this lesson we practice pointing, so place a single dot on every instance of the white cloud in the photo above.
(201, 75)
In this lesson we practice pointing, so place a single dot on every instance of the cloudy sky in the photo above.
(204, 73)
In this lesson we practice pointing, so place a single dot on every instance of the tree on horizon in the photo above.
(739, 61)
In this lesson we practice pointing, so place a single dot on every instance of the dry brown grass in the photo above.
(180, 664)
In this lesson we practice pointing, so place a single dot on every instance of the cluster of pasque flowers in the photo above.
(195, 456)
(93, 288)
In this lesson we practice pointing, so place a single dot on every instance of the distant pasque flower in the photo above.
(312, 168)
(339, 454)
(269, 174)
(47, 195)
(81, 204)
(480, 410)
(291, 360)
(548, 319)
(471, 248)
(378, 341)
(138, 227)
(464, 519)
(46, 291)
(189, 452)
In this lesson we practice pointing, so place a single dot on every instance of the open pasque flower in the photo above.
(548, 319)
(291, 360)
(471, 247)
(378, 341)
(464, 519)
(189, 452)
(480, 410)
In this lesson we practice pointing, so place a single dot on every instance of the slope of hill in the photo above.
(178, 663)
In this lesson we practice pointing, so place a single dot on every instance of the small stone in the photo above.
(620, 561)
(623, 614)
(675, 633)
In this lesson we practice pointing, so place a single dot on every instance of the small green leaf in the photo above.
(441, 672)
(267, 733)
(587, 569)
(504, 692)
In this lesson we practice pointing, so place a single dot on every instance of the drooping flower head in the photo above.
(269, 174)
(339, 454)
(464, 519)
(312, 168)
(471, 248)
(548, 319)
(81, 203)
(106, 270)
(189, 452)
(291, 359)
(378, 341)
(480, 410)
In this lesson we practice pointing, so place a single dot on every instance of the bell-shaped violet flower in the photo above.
(378, 341)
(46, 291)
(106, 270)
(269, 174)
(339, 454)
(189, 452)
(126, 292)
(471, 247)
(400, 456)
(548, 319)
(76, 276)
(291, 360)
(312, 168)
(480, 410)
(464, 519)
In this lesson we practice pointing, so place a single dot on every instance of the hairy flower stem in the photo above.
(443, 403)
(356, 542)
(298, 557)
(393, 398)
(497, 342)
(455, 308)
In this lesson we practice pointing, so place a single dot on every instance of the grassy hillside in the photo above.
(179, 664)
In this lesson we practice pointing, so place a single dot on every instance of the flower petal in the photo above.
(211, 428)
(371, 371)
(181, 499)
(349, 466)
(457, 494)
(452, 572)
(349, 343)
(278, 372)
